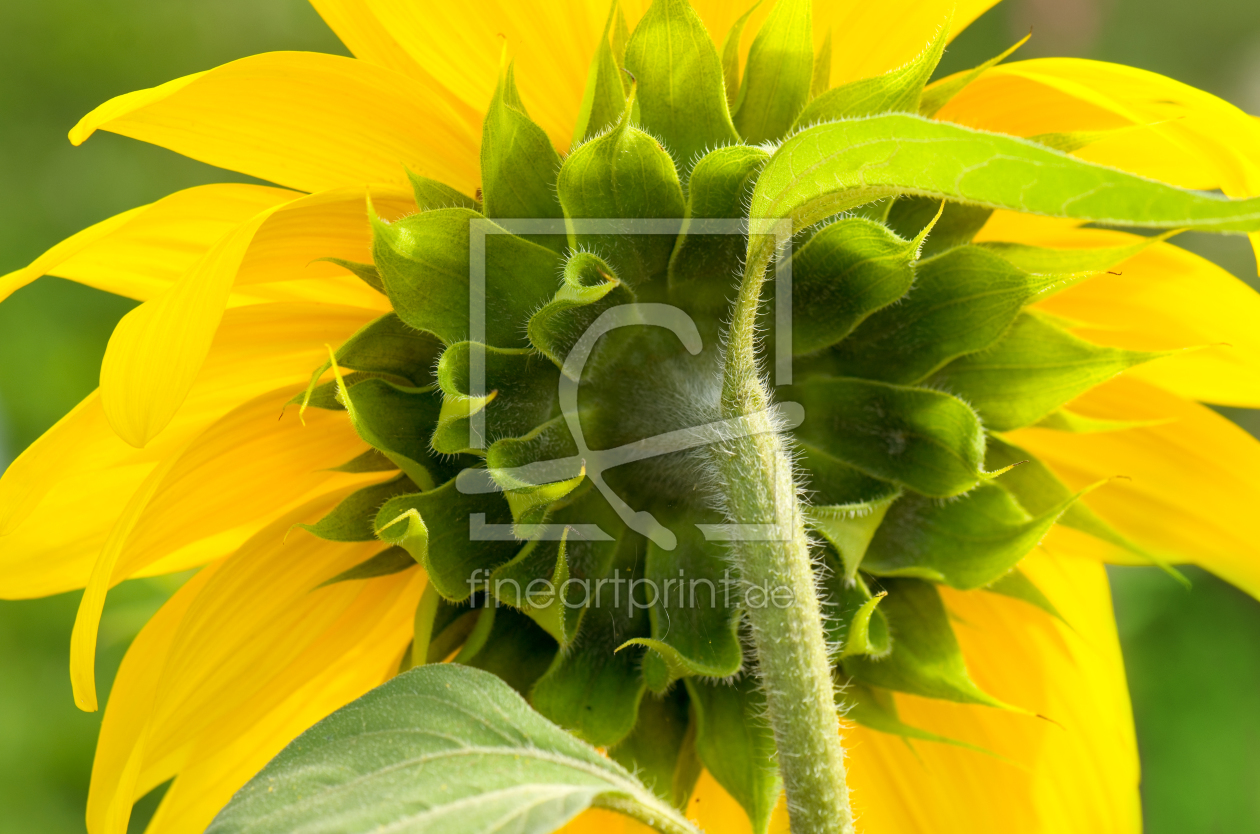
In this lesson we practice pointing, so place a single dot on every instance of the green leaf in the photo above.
(919, 438)
(779, 73)
(592, 689)
(352, 519)
(520, 393)
(736, 744)
(431, 194)
(518, 163)
(389, 561)
(967, 542)
(435, 528)
(704, 269)
(956, 224)
(590, 287)
(896, 91)
(424, 263)
(938, 95)
(1033, 370)
(695, 611)
(925, 658)
(605, 97)
(963, 301)
(730, 55)
(681, 95)
(846, 272)
(397, 421)
(662, 748)
(623, 174)
(439, 748)
(827, 169)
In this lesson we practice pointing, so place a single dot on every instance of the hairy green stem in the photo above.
(757, 479)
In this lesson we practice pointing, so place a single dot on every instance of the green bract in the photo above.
(545, 401)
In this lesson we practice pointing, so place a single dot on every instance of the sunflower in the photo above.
(976, 392)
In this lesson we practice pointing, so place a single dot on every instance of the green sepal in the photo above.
(424, 262)
(704, 269)
(846, 506)
(1062, 268)
(736, 745)
(431, 194)
(370, 461)
(954, 225)
(695, 618)
(515, 649)
(896, 91)
(876, 709)
(923, 439)
(389, 347)
(518, 163)
(434, 527)
(868, 630)
(925, 658)
(389, 561)
(1066, 420)
(779, 73)
(520, 393)
(968, 542)
(730, 56)
(352, 520)
(626, 174)
(591, 689)
(590, 287)
(939, 94)
(547, 605)
(1034, 369)
(852, 621)
(681, 94)
(661, 750)
(605, 94)
(396, 421)
(842, 275)
(1017, 585)
(453, 623)
(822, 68)
(1038, 489)
(364, 272)
(963, 301)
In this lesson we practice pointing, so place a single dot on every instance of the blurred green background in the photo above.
(1193, 658)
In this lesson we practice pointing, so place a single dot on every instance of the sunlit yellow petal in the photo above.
(1191, 486)
(59, 498)
(1077, 772)
(354, 22)
(1192, 138)
(157, 349)
(67, 249)
(1163, 299)
(303, 120)
(255, 637)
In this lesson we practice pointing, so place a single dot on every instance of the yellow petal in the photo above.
(141, 252)
(1192, 138)
(1191, 486)
(364, 35)
(873, 38)
(60, 497)
(1163, 299)
(1079, 773)
(460, 45)
(303, 120)
(157, 349)
(256, 658)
